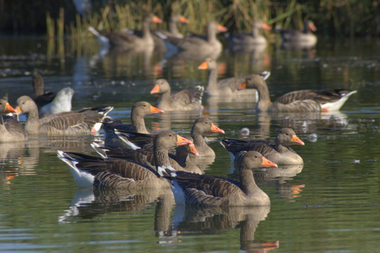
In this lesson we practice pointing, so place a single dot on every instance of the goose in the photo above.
(253, 38)
(185, 100)
(60, 103)
(200, 127)
(205, 190)
(90, 171)
(10, 129)
(298, 36)
(172, 26)
(297, 101)
(180, 161)
(196, 45)
(226, 87)
(48, 102)
(127, 40)
(278, 151)
(84, 121)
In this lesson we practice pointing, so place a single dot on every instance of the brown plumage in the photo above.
(200, 127)
(278, 151)
(65, 123)
(41, 98)
(297, 101)
(306, 37)
(226, 87)
(89, 171)
(253, 38)
(10, 129)
(205, 190)
(127, 40)
(185, 100)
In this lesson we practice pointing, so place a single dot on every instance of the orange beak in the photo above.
(266, 27)
(18, 110)
(182, 19)
(9, 108)
(203, 65)
(222, 28)
(216, 129)
(268, 164)
(155, 110)
(156, 89)
(156, 20)
(296, 141)
(268, 245)
(312, 27)
(243, 86)
(193, 150)
(182, 141)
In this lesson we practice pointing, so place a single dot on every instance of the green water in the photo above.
(331, 204)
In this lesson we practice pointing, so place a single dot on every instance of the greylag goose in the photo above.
(205, 190)
(226, 87)
(278, 151)
(128, 40)
(297, 101)
(10, 129)
(172, 26)
(60, 103)
(296, 36)
(196, 45)
(185, 100)
(48, 102)
(180, 161)
(200, 127)
(254, 38)
(84, 121)
(89, 171)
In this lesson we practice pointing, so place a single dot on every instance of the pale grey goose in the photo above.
(85, 121)
(89, 171)
(205, 190)
(227, 87)
(297, 101)
(253, 38)
(172, 26)
(10, 129)
(278, 151)
(127, 40)
(185, 100)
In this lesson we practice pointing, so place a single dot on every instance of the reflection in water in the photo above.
(190, 221)
(88, 204)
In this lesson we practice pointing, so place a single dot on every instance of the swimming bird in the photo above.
(297, 101)
(84, 121)
(205, 190)
(278, 151)
(11, 130)
(184, 100)
(90, 171)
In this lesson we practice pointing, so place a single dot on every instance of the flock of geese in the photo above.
(136, 158)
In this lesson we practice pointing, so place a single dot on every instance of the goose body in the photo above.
(297, 101)
(185, 100)
(195, 45)
(127, 40)
(205, 190)
(227, 87)
(278, 151)
(41, 98)
(10, 129)
(304, 37)
(85, 121)
(60, 103)
(89, 171)
(254, 38)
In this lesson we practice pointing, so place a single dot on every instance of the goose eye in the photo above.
(256, 156)
(249, 79)
(1, 103)
(170, 135)
(144, 105)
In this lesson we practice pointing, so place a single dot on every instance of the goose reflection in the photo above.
(88, 204)
(193, 221)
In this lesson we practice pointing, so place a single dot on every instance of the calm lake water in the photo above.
(330, 204)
